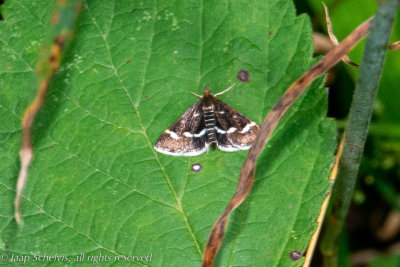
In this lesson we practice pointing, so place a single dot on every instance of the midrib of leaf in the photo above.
(178, 200)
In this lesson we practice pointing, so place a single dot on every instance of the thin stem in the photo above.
(357, 126)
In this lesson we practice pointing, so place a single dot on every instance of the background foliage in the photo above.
(373, 227)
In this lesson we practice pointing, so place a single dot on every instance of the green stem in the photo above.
(357, 126)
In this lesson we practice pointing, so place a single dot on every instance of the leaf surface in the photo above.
(96, 185)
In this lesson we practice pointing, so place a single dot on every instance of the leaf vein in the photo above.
(135, 108)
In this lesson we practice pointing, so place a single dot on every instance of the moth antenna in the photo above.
(199, 96)
(226, 90)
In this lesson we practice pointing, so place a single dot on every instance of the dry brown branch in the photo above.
(46, 68)
(246, 178)
(333, 38)
(26, 150)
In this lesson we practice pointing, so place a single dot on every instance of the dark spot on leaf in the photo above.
(146, 96)
(271, 32)
(243, 76)
(296, 255)
(151, 240)
(128, 61)
(196, 167)
(6, 247)
(51, 147)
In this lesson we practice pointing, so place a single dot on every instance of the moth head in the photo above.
(208, 98)
(207, 91)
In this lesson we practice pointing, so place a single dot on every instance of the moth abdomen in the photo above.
(209, 121)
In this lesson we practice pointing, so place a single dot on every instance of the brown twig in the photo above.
(333, 38)
(246, 178)
(26, 150)
(46, 70)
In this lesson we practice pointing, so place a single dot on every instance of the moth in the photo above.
(208, 123)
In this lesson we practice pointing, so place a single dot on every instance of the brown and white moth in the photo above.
(209, 122)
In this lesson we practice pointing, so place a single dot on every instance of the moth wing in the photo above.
(234, 130)
(185, 137)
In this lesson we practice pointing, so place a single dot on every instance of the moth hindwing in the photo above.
(209, 122)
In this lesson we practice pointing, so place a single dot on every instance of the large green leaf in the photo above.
(96, 185)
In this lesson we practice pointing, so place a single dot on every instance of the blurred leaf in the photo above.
(388, 192)
(386, 261)
(96, 186)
